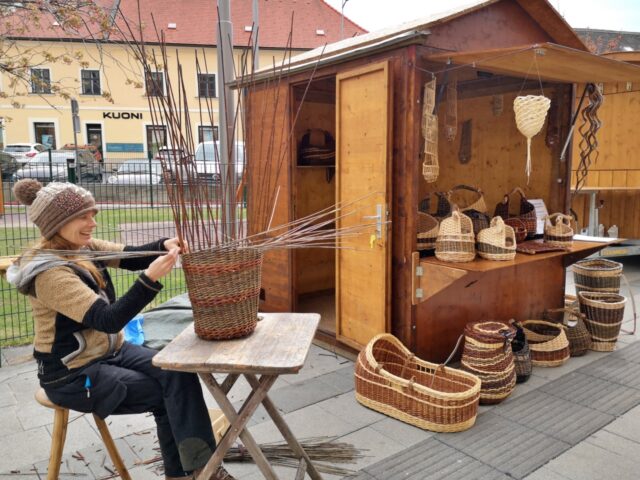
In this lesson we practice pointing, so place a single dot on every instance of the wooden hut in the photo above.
(366, 93)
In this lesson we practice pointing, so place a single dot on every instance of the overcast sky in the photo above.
(603, 14)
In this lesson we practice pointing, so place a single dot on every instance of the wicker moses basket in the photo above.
(393, 381)
(224, 289)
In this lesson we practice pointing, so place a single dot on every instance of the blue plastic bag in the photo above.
(133, 332)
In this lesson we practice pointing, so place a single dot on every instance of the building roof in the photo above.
(194, 22)
(606, 41)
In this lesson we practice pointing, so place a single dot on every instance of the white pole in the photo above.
(256, 48)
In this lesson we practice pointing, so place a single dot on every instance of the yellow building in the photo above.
(109, 84)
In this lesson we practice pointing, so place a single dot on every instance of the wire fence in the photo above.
(132, 197)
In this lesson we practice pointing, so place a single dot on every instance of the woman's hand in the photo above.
(174, 243)
(162, 265)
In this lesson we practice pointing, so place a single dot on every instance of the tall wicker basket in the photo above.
(597, 275)
(393, 381)
(604, 312)
(224, 289)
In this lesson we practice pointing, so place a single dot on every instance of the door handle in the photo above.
(378, 218)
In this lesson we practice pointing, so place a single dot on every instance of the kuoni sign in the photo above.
(122, 115)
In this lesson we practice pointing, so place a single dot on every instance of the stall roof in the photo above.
(549, 61)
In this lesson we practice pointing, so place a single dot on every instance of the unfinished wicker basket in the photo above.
(557, 230)
(531, 112)
(457, 196)
(427, 231)
(548, 343)
(224, 290)
(393, 381)
(604, 314)
(498, 242)
(487, 353)
(597, 275)
(456, 241)
(574, 326)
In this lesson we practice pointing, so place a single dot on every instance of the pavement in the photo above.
(580, 421)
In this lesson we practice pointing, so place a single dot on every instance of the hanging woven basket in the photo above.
(531, 112)
(224, 290)
(430, 166)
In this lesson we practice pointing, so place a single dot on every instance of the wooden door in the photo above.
(363, 128)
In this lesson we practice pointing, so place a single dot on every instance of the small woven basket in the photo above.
(519, 228)
(526, 212)
(224, 290)
(557, 230)
(574, 326)
(456, 241)
(548, 343)
(521, 354)
(498, 242)
(597, 275)
(427, 231)
(604, 314)
(487, 354)
(393, 381)
(475, 201)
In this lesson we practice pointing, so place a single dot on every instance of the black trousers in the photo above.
(128, 383)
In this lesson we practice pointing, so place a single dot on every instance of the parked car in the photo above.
(88, 168)
(207, 159)
(8, 165)
(137, 172)
(23, 152)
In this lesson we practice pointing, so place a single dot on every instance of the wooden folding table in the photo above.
(279, 345)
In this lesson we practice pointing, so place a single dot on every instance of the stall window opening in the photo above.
(40, 80)
(90, 82)
(207, 85)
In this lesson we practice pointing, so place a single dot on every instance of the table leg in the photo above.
(238, 422)
(285, 430)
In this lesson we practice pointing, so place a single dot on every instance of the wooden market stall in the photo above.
(363, 97)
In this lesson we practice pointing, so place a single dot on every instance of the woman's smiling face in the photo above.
(79, 230)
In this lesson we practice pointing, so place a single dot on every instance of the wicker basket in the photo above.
(430, 165)
(476, 202)
(498, 242)
(427, 231)
(597, 275)
(487, 354)
(456, 242)
(224, 289)
(521, 354)
(526, 212)
(604, 312)
(557, 230)
(519, 228)
(548, 343)
(393, 381)
(574, 326)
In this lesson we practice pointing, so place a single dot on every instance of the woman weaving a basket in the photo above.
(83, 362)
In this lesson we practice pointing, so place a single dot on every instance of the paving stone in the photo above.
(401, 432)
(342, 379)
(375, 446)
(346, 407)
(627, 426)
(9, 423)
(630, 353)
(614, 370)
(545, 473)
(24, 448)
(144, 444)
(17, 355)
(99, 461)
(318, 362)
(81, 433)
(493, 439)
(29, 472)
(592, 392)
(7, 398)
(70, 467)
(299, 395)
(122, 425)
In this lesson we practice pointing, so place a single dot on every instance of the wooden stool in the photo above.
(60, 421)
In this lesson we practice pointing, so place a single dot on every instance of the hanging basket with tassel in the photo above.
(531, 112)
(430, 165)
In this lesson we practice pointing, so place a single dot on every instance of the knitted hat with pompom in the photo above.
(51, 207)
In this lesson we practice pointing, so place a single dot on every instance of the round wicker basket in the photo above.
(597, 275)
(548, 343)
(604, 312)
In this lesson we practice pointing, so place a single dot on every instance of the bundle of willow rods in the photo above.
(588, 130)
(323, 451)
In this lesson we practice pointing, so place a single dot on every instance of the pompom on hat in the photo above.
(51, 207)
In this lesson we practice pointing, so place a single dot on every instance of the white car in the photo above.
(23, 152)
(137, 172)
(40, 168)
(208, 160)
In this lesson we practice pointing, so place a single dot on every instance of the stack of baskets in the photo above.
(487, 354)
(557, 230)
(391, 380)
(456, 241)
(548, 343)
(574, 326)
(597, 284)
(498, 242)
(521, 354)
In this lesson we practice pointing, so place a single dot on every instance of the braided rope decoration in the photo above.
(531, 112)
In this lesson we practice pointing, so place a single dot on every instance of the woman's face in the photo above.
(78, 231)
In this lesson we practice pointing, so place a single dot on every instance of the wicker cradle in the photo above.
(557, 230)
(393, 381)
(456, 241)
(428, 228)
(574, 326)
(597, 275)
(604, 313)
(526, 212)
(487, 354)
(224, 290)
(548, 343)
(521, 354)
(498, 242)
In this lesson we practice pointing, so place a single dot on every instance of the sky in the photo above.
(372, 15)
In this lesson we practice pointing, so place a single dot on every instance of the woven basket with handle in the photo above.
(548, 343)
(557, 230)
(498, 242)
(521, 354)
(526, 211)
(604, 314)
(427, 231)
(574, 326)
(224, 290)
(456, 241)
(393, 381)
